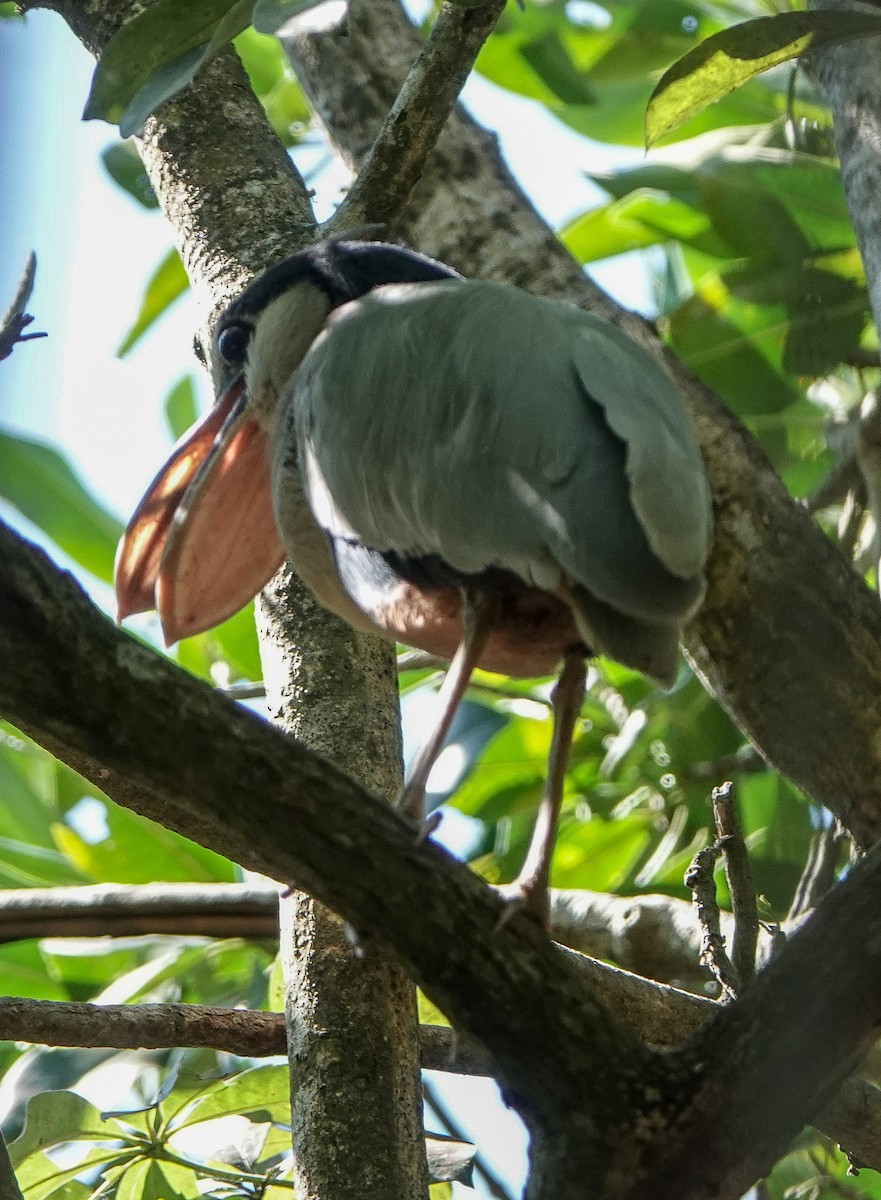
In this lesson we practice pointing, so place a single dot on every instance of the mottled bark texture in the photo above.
(789, 638)
(351, 1015)
(850, 74)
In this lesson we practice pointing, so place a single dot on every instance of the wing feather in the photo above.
(473, 421)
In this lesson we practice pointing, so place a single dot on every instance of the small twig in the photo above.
(493, 1184)
(9, 1189)
(699, 879)
(819, 873)
(15, 319)
(740, 884)
(412, 127)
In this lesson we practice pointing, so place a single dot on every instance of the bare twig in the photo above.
(740, 885)
(15, 320)
(699, 878)
(491, 1181)
(410, 131)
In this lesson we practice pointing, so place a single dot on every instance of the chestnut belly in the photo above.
(419, 601)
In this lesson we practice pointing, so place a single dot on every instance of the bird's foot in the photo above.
(411, 802)
(528, 897)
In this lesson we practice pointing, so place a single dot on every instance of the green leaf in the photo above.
(261, 1090)
(270, 15)
(165, 285)
(730, 58)
(645, 218)
(55, 1118)
(156, 54)
(180, 407)
(550, 60)
(123, 164)
(36, 480)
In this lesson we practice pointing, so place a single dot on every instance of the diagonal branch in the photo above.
(797, 1031)
(113, 709)
(419, 112)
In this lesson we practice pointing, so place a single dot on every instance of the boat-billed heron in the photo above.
(505, 481)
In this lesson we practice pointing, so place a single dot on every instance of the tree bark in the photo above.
(237, 204)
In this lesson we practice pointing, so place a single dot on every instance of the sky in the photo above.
(96, 249)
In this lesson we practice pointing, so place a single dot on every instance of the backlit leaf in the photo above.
(733, 56)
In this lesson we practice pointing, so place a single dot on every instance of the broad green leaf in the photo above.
(600, 854)
(270, 15)
(165, 285)
(37, 480)
(123, 164)
(180, 407)
(138, 850)
(645, 218)
(24, 972)
(735, 345)
(617, 115)
(262, 1092)
(156, 54)
(40, 1177)
(25, 865)
(550, 60)
(275, 85)
(55, 1118)
(730, 58)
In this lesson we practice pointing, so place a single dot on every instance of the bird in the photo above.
(503, 480)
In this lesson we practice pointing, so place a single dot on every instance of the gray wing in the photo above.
(473, 421)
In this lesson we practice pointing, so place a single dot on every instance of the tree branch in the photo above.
(654, 936)
(796, 1031)
(15, 320)
(419, 112)
(116, 711)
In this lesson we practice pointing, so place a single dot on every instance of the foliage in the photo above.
(759, 289)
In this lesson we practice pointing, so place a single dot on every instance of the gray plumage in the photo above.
(472, 421)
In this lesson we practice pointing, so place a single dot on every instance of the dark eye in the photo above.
(232, 342)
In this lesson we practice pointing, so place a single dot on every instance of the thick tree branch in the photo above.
(796, 1031)
(652, 1012)
(112, 708)
(654, 936)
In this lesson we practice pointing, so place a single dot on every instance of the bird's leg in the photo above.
(477, 620)
(529, 892)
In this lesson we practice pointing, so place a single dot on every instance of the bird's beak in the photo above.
(203, 540)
